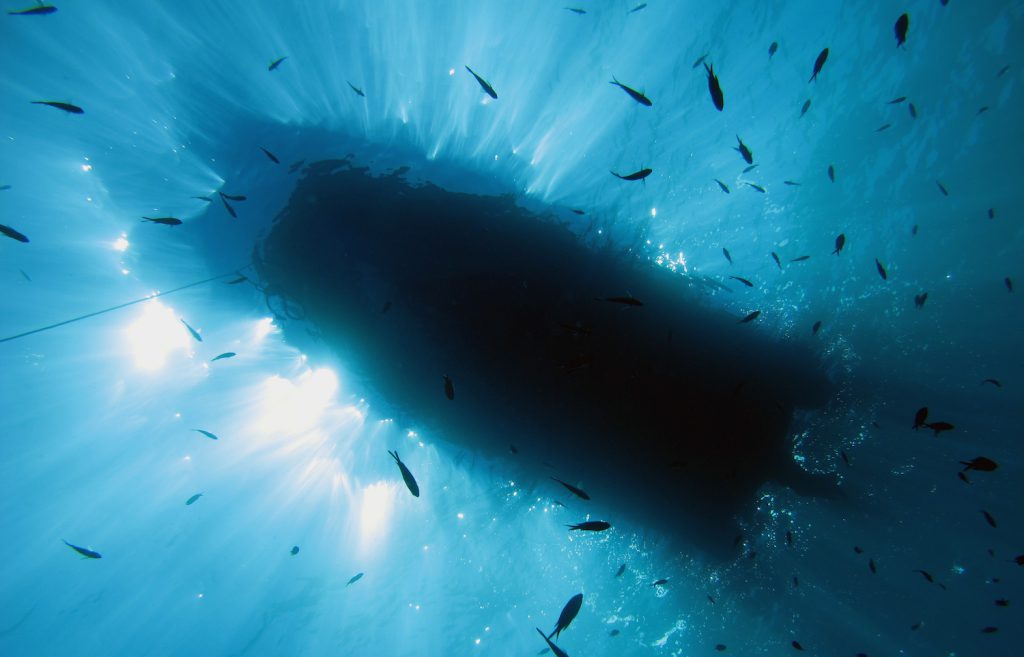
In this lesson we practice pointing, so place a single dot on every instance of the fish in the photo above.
(742, 280)
(27, 277)
(831, 173)
(359, 92)
(715, 88)
(204, 198)
(725, 188)
(355, 578)
(67, 107)
(166, 221)
(728, 256)
(991, 213)
(191, 330)
(962, 477)
(294, 550)
(989, 630)
(801, 258)
(578, 492)
(38, 10)
(775, 257)
(789, 537)
(920, 418)
(233, 197)
(913, 231)
(711, 599)
(621, 570)
(895, 101)
(744, 151)
(642, 5)
(660, 582)
(845, 457)
(919, 299)
(627, 300)
(13, 234)
(449, 388)
(569, 611)
(872, 567)
(4, 188)
(818, 63)
(277, 62)
(994, 382)
(980, 463)
(700, 60)
(939, 427)
(858, 549)
(590, 526)
(757, 187)
(226, 354)
(484, 85)
(772, 49)
(1002, 602)
(578, 211)
(1008, 283)
(295, 166)
(751, 317)
(912, 109)
(840, 243)
(721, 647)
(636, 175)
(982, 110)
(240, 279)
(816, 327)
(206, 433)
(614, 632)
(513, 449)
(85, 552)
(410, 481)
(1003, 71)
(942, 188)
(806, 106)
(227, 206)
(633, 93)
(989, 519)
(901, 27)
(576, 10)
(926, 575)
(192, 500)
(273, 158)
(558, 652)
(881, 270)
(796, 645)
(883, 128)
(916, 626)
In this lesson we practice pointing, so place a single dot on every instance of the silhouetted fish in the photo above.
(816, 327)
(750, 168)
(980, 463)
(204, 198)
(789, 537)
(801, 258)
(626, 301)
(846, 459)
(633, 93)
(240, 279)
(982, 110)
(920, 417)
(191, 330)
(989, 519)
(882, 128)
(744, 151)
(192, 500)
(720, 647)
(166, 221)
(590, 526)
(818, 63)
(772, 49)
(919, 299)
(578, 492)
(484, 85)
(796, 645)
(872, 567)
(791, 183)
(227, 206)
(569, 611)
(621, 570)
(359, 92)
(926, 575)
(4, 188)
(578, 211)
(449, 388)
(700, 60)
(1002, 602)
(727, 255)
(912, 109)
(831, 173)
(806, 106)
(89, 554)
(715, 88)
(13, 234)
(660, 582)
(757, 187)
(840, 243)
(294, 550)
(273, 158)
(742, 280)
(277, 62)
(636, 175)
(942, 188)
(994, 382)
(576, 10)
(67, 107)
(939, 427)
(226, 354)
(555, 649)
(881, 270)
(721, 184)
(775, 257)
(1008, 283)
(614, 632)
(751, 317)
(989, 630)
(206, 433)
(410, 481)
(355, 578)
(38, 10)
(858, 549)
(232, 197)
(894, 101)
(902, 24)
(637, 8)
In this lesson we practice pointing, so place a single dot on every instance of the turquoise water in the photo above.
(98, 415)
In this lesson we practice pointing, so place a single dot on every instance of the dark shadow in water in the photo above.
(671, 414)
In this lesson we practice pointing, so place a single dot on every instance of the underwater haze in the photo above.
(393, 328)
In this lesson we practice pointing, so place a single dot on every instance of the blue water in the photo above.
(97, 416)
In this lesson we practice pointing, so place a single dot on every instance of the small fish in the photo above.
(801, 258)
(558, 652)
(204, 198)
(831, 173)
(881, 270)
(89, 554)
(227, 206)
(895, 101)
(449, 388)
(816, 327)
(1002, 602)
(700, 60)
(13, 234)
(926, 575)
(789, 537)
(27, 277)
(791, 183)
(359, 92)
(576, 10)
(840, 243)
(920, 418)
(744, 151)
(883, 127)
(775, 257)
(818, 63)
(989, 519)
(912, 109)
(206, 433)
(979, 463)
(633, 93)
(772, 49)
(578, 211)
(642, 5)
(916, 626)
(715, 88)
(410, 481)
(750, 168)
(858, 549)
(727, 255)
(942, 188)
(295, 166)
(1008, 283)
(991, 213)
(1003, 71)
(67, 107)
(230, 197)
(578, 492)
(962, 477)
(355, 578)
(846, 459)
(240, 279)
(872, 567)
(660, 582)
(513, 449)
(751, 317)
(757, 187)
(989, 630)
(725, 188)
(796, 645)
(806, 106)
(569, 611)
(982, 110)
(483, 84)
(711, 599)
(277, 62)
(994, 382)
(614, 633)
(294, 550)
(226, 354)
(913, 231)
(902, 24)
(621, 570)
(39, 10)
(273, 158)
(192, 500)
(191, 330)
(4, 188)
(742, 280)
(166, 221)
(939, 427)
(590, 526)
(626, 301)
(919, 300)
(636, 175)
(720, 647)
